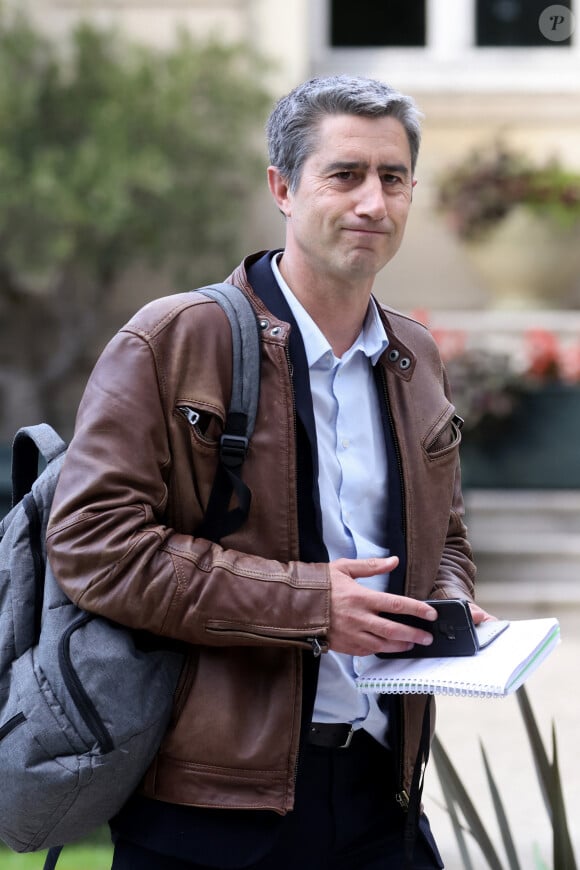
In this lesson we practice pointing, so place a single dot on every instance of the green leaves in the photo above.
(456, 794)
(482, 189)
(460, 804)
(548, 774)
(112, 155)
(116, 152)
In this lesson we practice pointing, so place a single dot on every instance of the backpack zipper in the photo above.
(11, 724)
(34, 537)
(83, 703)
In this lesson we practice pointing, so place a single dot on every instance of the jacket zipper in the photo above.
(397, 451)
(319, 645)
(402, 799)
(82, 701)
(190, 414)
(291, 376)
(401, 796)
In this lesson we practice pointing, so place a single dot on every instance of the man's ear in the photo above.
(279, 190)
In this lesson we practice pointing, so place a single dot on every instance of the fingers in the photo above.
(389, 635)
(366, 567)
(359, 617)
(382, 635)
(480, 615)
(400, 606)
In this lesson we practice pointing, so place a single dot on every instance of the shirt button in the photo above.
(345, 443)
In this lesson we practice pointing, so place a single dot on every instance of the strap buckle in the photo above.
(233, 449)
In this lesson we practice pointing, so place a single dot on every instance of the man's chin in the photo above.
(367, 263)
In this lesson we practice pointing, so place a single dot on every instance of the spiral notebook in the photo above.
(494, 671)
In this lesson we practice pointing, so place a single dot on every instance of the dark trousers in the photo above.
(345, 818)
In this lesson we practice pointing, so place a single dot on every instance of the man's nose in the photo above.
(371, 201)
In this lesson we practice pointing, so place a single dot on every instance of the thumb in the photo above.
(367, 567)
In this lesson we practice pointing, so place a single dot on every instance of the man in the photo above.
(273, 760)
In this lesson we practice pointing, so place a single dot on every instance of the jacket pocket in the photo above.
(205, 426)
(444, 436)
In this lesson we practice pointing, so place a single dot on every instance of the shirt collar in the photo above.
(372, 339)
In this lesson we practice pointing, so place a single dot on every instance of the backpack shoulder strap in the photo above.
(52, 857)
(241, 417)
(246, 351)
(30, 444)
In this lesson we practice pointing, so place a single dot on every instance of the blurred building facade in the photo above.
(479, 70)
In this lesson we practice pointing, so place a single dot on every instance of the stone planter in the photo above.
(537, 447)
(527, 261)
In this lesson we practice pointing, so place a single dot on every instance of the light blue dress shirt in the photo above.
(352, 483)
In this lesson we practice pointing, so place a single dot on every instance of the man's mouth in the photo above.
(366, 231)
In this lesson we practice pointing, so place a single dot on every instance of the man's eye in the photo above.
(344, 175)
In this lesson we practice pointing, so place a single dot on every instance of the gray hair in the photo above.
(292, 127)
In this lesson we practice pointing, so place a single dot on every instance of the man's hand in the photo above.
(480, 615)
(355, 625)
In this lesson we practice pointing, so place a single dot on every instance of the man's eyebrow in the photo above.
(395, 168)
(347, 165)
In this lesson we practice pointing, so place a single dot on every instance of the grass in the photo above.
(72, 858)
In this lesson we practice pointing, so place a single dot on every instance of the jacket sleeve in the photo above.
(113, 549)
(456, 575)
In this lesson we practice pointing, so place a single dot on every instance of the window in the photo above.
(514, 23)
(375, 23)
(439, 46)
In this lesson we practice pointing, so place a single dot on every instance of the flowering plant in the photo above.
(487, 382)
(481, 190)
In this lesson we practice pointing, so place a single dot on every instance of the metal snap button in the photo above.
(394, 354)
(404, 363)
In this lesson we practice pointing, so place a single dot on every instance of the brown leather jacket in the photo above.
(134, 485)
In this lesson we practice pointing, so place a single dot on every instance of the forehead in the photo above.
(356, 137)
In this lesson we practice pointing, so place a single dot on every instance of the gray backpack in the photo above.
(84, 702)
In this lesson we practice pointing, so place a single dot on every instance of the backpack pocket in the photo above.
(85, 714)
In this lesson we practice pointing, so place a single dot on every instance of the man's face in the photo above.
(347, 216)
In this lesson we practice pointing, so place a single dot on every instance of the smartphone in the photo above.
(454, 632)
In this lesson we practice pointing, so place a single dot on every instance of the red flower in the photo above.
(543, 351)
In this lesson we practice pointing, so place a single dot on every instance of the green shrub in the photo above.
(112, 154)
